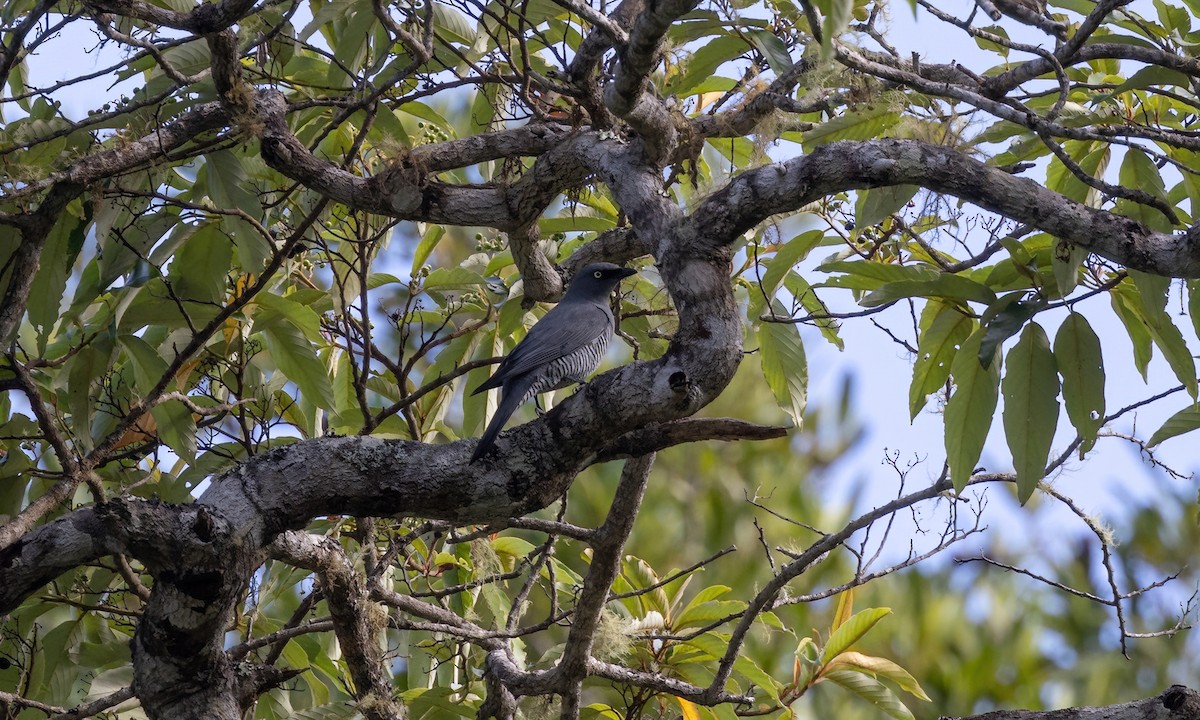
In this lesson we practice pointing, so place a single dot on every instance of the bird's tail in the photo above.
(511, 398)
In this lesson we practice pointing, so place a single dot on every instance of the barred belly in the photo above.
(570, 369)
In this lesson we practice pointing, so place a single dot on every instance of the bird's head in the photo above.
(597, 280)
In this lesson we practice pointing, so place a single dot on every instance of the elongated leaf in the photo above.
(1003, 319)
(1125, 303)
(200, 270)
(785, 366)
(296, 358)
(45, 295)
(1092, 158)
(837, 18)
(1139, 171)
(970, 409)
(954, 287)
(1184, 421)
(1152, 290)
(854, 125)
(704, 63)
(773, 49)
(943, 329)
(1066, 267)
(300, 315)
(689, 710)
(707, 612)
(871, 690)
(429, 241)
(1193, 287)
(881, 667)
(792, 252)
(453, 278)
(1081, 364)
(873, 205)
(845, 609)
(750, 670)
(177, 429)
(1030, 407)
(807, 295)
(851, 631)
(867, 275)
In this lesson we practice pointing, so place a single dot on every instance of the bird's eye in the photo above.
(597, 274)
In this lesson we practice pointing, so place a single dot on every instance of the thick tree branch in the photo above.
(607, 544)
(627, 97)
(784, 187)
(357, 620)
(1177, 702)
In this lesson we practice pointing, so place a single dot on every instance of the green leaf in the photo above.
(970, 409)
(1003, 319)
(300, 315)
(148, 366)
(955, 287)
(229, 187)
(1066, 261)
(807, 295)
(852, 631)
(295, 356)
(1092, 158)
(63, 244)
(943, 328)
(989, 46)
(576, 222)
(1152, 290)
(1139, 171)
(750, 670)
(704, 63)
(200, 269)
(706, 613)
(784, 365)
(1193, 288)
(1184, 421)
(1155, 76)
(871, 690)
(786, 257)
(874, 205)
(772, 48)
(453, 279)
(429, 241)
(177, 429)
(1126, 304)
(1081, 364)
(837, 18)
(854, 125)
(1030, 407)
(868, 275)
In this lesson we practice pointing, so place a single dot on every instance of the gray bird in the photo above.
(564, 347)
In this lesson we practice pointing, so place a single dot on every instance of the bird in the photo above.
(562, 348)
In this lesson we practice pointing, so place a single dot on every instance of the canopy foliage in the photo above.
(254, 255)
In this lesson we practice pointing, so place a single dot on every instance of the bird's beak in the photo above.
(626, 272)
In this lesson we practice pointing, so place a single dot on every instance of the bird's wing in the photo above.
(563, 330)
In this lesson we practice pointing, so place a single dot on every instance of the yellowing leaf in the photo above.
(881, 667)
(871, 690)
(688, 708)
